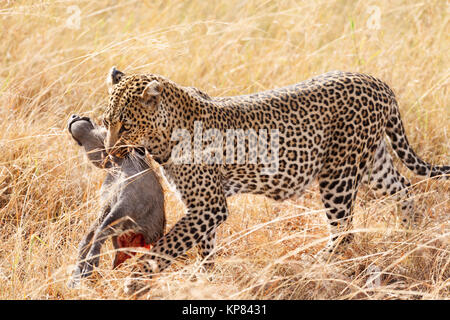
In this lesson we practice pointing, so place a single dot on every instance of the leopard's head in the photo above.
(136, 114)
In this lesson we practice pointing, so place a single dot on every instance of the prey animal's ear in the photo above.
(151, 93)
(113, 78)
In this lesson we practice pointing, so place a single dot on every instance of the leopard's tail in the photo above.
(396, 133)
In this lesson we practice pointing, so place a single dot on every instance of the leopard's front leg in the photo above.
(206, 249)
(201, 190)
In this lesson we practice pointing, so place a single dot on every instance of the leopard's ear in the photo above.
(113, 78)
(151, 93)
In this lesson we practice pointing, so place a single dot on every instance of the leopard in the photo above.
(334, 128)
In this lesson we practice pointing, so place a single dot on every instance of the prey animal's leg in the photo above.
(83, 250)
(111, 225)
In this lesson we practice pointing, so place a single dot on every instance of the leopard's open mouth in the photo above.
(120, 151)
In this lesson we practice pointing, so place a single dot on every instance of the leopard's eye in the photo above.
(124, 127)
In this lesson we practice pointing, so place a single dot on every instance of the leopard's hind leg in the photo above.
(338, 191)
(385, 180)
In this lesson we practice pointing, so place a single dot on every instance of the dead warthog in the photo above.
(132, 210)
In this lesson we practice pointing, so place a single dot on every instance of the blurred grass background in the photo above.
(54, 59)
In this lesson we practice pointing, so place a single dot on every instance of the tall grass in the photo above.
(52, 66)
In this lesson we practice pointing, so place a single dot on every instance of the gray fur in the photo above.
(131, 195)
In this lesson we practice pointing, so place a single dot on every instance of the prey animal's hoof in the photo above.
(74, 282)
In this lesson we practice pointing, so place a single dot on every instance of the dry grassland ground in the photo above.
(54, 56)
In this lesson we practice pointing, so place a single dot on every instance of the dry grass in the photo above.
(48, 192)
